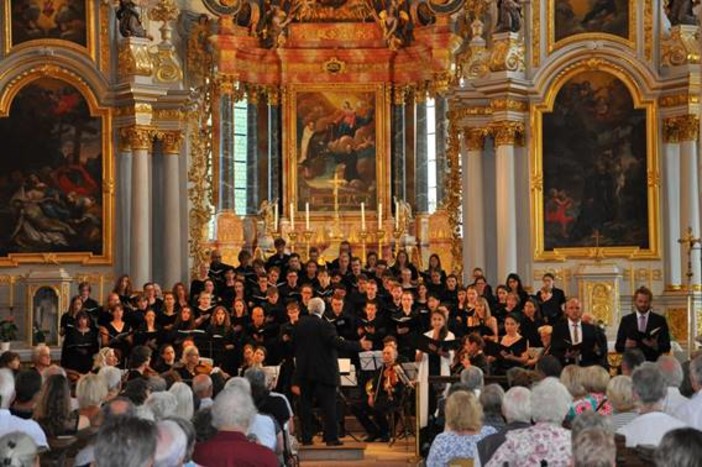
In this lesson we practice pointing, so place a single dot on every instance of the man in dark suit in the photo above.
(317, 369)
(576, 342)
(643, 329)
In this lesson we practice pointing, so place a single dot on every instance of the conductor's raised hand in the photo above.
(365, 344)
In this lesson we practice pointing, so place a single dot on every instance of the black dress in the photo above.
(78, 349)
(118, 340)
(530, 330)
(517, 349)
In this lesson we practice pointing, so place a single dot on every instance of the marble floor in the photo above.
(401, 454)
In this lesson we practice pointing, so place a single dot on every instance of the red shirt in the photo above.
(232, 449)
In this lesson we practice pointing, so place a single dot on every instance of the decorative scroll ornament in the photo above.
(681, 47)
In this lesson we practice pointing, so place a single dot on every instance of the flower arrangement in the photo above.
(8, 329)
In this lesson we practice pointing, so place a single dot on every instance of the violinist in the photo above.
(384, 390)
(189, 362)
(139, 362)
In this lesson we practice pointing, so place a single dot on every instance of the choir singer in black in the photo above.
(317, 369)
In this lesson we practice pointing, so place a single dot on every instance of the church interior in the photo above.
(536, 137)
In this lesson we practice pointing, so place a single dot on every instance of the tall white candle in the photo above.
(397, 215)
(275, 217)
(292, 216)
(307, 216)
(380, 216)
(363, 217)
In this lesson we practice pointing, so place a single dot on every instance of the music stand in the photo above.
(348, 379)
(272, 373)
(371, 360)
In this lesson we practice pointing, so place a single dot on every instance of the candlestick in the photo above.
(12, 291)
(275, 217)
(363, 218)
(364, 236)
(381, 237)
(397, 215)
(292, 236)
(292, 216)
(307, 235)
(307, 216)
(380, 217)
(397, 234)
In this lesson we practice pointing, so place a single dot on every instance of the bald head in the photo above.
(202, 386)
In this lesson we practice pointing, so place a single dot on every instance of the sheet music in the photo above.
(371, 360)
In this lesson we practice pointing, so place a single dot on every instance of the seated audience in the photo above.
(113, 380)
(547, 441)
(594, 447)
(472, 377)
(91, 391)
(491, 400)
(18, 449)
(681, 447)
(573, 378)
(184, 396)
(171, 444)
(652, 424)
(11, 360)
(126, 441)
(621, 395)
(631, 359)
(672, 372)
(162, 404)
(53, 411)
(464, 429)
(595, 381)
(516, 408)
(232, 414)
(690, 412)
(27, 389)
(202, 388)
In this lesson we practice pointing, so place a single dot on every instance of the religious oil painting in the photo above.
(595, 165)
(335, 148)
(571, 17)
(48, 19)
(51, 175)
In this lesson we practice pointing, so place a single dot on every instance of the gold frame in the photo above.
(382, 142)
(652, 176)
(62, 290)
(108, 182)
(554, 45)
(89, 49)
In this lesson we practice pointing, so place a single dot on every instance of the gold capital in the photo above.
(508, 133)
(475, 138)
(172, 141)
(136, 137)
(681, 128)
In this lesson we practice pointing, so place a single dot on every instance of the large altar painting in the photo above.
(572, 17)
(595, 163)
(48, 19)
(51, 175)
(335, 145)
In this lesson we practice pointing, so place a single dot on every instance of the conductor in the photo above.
(317, 369)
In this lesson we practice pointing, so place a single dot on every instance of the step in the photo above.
(349, 451)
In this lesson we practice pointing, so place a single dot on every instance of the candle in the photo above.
(363, 217)
(307, 216)
(275, 217)
(380, 216)
(292, 217)
(397, 215)
(12, 291)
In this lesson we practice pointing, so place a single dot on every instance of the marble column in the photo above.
(172, 242)
(508, 135)
(689, 189)
(274, 153)
(399, 184)
(124, 200)
(473, 231)
(441, 109)
(421, 156)
(226, 158)
(671, 214)
(252, 166)
(141, 142)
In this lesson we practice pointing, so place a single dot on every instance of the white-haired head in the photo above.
(184, 396)
(550, 401)
(516, 405)
(233, 409)
(316, 306)
(7, 388)
(112, 377)
(171, 444)
(163, 404)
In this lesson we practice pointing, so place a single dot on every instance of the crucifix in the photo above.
(597, 253)
(336, 183)
(689, 241)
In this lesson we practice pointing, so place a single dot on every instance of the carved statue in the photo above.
(129, 20)
(404, 213)
(277, 20)
(199, 55)
(267, 213)
(680, 12)
(509, 17)
(395, 24)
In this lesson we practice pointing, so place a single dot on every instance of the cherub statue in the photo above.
(509, 17)
(393, 21)
(277, 20)
(267, 213)
(129, 20)
(404, 213)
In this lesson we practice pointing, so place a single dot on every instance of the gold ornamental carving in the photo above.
(507, 53)
(172, 141)
(508, 133)
(167, 67)
(648, 30)
(681, 47)
(506, 104)
(681, 128)
(169, 115)
(134, 58)
(676, 100)
(475, 138)
(601, 298)
(536, 33)
(136, 137)
(677, 320)
(452, 200)
(334, 66)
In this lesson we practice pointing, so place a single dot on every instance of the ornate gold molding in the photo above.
(172, 141)
(675, 100)
(681, 128)
(169, 115)
(508, 133)
(648, 30)
(452, 200)
(475, 138)
(134, 58)
(507, 53)
(536, 33)
(136, 137)
(273, 95)
(681, 47)
(515, 105)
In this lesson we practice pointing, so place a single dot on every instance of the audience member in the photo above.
(672, 372)
(594, 447)
(652, 424)
(491, 401)
(516, 408)
(464, 429)
(126, 441)
(681, 447)
(171, 444)
(18, 449)
(620, 394)
(472, 377)
(162, 404)
(53, 411)
(184, 396)
(690, 411)
(232, 414)
(631, 359)
(91, 391)
(547, 441)
(27, 390)
(202, 388)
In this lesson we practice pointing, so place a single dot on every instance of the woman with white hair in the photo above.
(184, 396)
(91, 391)
(545, 443)
(112, 376)
(105, 357)
(18, 449)
(621, 396)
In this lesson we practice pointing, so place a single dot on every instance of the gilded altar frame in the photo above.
(649, 105)
(554, 45)
(382, 142)
(108, 181)
(90, 49)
